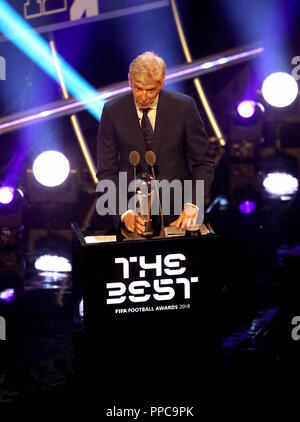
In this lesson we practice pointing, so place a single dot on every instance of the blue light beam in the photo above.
(37, 49)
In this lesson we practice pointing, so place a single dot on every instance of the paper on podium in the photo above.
(100, 239)
(174, 231)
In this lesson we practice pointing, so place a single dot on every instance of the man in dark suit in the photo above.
(165, 122)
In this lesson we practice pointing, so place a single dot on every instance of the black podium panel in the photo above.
(152, 321)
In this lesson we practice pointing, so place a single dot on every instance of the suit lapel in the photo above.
(134, 130)
(161, 122)
(132, 122)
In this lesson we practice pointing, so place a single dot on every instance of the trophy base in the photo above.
(170, 231)
(130, 235)
(148, 233)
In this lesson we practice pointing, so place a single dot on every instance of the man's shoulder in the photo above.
(119, 101)
(176, 97)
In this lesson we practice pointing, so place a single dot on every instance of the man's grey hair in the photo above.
(147, 68)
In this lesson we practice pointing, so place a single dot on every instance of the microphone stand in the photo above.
(162, 230)
(134, 231)
(134, 158)
(150, 158)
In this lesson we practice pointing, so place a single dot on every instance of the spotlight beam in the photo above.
(182, 72)
(36, 48)
(74, 120)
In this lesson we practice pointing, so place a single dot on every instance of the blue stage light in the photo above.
(247, 207)
(13, 26)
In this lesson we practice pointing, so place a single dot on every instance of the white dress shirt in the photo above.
(151, 112)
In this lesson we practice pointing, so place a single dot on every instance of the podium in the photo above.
(152, 332)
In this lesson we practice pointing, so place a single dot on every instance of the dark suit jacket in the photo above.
(179, 140)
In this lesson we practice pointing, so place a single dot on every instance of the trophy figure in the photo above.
(145, 195)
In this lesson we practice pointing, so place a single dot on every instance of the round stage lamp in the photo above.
(247, 207)
(246, 109)
(7, 295)
(6, 195)
(52, 263)
(279, 89)
(51, 168)
(81, 308)
(281, 185)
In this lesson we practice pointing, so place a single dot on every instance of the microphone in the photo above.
(134, 158)
(150, 158)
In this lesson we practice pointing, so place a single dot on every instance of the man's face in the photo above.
(144, 95)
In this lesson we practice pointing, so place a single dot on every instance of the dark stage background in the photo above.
(261, 258)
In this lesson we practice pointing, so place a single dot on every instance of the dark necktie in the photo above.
(147, 130)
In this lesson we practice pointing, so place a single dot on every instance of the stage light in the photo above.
(7, 295)
(11, 216)
(81, 308)
(246, 128)
(281, 185)
(247, 207)
(220, 202)
(52, 263)
(207, 65)
(44, 165)
(223, 203)
(245, 138)
(65, 193)
(248, 112)
(6, 194)
(279, 174)
(246, 108)
(279, 89)
(222, 60)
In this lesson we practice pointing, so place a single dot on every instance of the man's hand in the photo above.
(185, 220)
(129, 223)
